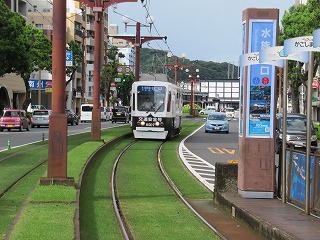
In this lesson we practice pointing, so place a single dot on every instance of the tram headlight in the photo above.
(142, 123)
(157, 124)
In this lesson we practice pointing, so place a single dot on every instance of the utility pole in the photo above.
(176, 67)
(39, 88)
(138, 40)
(83, 70)
(193, 79)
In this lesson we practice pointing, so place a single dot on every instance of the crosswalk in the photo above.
(202, 170)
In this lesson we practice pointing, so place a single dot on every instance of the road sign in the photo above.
(69, 58)
(117, 80)
(128, 69)
(120, 69)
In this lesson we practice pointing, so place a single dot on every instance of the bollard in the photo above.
(9, 144)
(42, 137)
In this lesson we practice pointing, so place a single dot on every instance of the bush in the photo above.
(186, 108)
(317, 127)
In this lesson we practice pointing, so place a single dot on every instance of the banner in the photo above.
(316, 38)
(261, 77)
(299, 44)
(276, 55)
(249, 59)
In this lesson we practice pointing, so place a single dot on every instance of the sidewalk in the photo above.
(270, 217)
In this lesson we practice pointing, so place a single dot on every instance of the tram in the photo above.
(156, 109)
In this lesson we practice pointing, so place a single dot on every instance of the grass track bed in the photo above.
(188, 186)
(97, 218)
(150, 207)
(79, 150)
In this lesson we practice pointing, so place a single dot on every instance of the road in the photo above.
(35, 134)
(215, 147)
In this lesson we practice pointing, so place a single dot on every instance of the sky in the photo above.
(207, 30)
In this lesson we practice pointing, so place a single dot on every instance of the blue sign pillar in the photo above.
(257, 107)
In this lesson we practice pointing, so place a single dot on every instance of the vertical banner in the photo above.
(241, 80)
(260, 92)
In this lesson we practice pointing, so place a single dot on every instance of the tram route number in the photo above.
(150, 119)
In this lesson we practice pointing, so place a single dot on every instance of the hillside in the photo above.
(151, 60)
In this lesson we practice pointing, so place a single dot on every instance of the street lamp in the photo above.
(150, 21)
(126, 21)
(193, 78)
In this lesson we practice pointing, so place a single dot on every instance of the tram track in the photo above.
(120, 215)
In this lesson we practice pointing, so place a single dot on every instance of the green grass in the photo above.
(149, 205)
(97, 219)
(11, 201)
(45, 222)
(20, 162)
(188, 186)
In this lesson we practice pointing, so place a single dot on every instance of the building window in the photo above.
(235, 95)
(227, 84)
(39, 25)
(227, 95)
(227, 90)
(219, 90)
(235, 84)
(235, 90)
(219, 84)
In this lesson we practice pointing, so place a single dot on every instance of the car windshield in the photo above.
(296, 124)
(119, 109)
(151, 98)
(217, 117)
(38, 113)
(87, 108)
(11, 114)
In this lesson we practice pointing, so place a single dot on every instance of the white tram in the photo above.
(156, 109)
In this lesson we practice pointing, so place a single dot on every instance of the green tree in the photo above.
(300, 20)
(124, 88)
(77, 52)
(12, 46)
(109, 72)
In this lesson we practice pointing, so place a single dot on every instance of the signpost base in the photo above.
(253, 194)
(44, 181)
(96, 125)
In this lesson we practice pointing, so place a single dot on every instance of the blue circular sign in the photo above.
(256, 80)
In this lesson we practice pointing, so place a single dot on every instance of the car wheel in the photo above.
(32, 126)
(227, 132)
(28, 129)
(9, 129)
(38, 126)
(206, 131)
(72, 123)
(1, 129)
(20, 129)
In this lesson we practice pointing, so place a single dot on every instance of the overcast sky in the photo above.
(203, 29)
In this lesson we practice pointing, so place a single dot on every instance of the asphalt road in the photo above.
(35, 134)
(216, 147)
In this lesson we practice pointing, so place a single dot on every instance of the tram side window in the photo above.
(133, 102)
(169, 102)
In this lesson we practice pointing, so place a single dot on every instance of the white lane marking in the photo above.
(196, 165)
(73, 134)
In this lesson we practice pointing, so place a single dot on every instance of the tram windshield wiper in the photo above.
(158, 108)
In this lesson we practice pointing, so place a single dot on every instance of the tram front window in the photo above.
(151, 98)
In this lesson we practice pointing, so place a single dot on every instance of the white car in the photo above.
(230, 112)
(32, 108)
(106, 114)
(207, 110)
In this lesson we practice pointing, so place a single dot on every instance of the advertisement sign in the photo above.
(34, 84)
(298, 176)
(276, 55)
(260, 114)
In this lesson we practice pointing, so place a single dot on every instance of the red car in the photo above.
(14, 119)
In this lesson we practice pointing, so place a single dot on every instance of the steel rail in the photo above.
(180, 196)
(7, 189)
(115, 198)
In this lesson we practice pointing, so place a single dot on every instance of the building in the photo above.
(12, 86)
(226, 92)
(125, 47)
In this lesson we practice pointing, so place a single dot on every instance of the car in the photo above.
(40, 118)
(296, 132)
(14, 119)
(217, 122)
(32, 108)
(120, 114)
(207, 110)
(72, 117)
(230, 112)
(105, 114)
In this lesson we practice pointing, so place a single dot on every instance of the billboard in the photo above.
(261, 78)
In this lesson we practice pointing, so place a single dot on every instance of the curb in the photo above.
(101, 149)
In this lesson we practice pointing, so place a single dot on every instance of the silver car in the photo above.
(40, 118)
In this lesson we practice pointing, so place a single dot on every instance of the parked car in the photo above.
(296, 132)
(40, 118)
(86, 112)
(208, 110)
(217, 122)
(105, 114)
(14, 119)
(32, 108)
(72, 117)
(230, 112)
(120, 114)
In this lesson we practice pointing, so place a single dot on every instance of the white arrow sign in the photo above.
(299, 44)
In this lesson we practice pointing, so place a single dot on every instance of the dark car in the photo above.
(14, 119)
(296, 132)
(120, 114)
(72, 118)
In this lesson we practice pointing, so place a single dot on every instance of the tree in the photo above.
(109, 72)
(300, 20)
(77, 52)
(124, 88)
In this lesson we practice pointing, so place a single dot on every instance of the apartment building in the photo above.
(12, 87)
